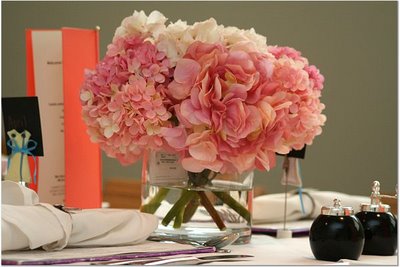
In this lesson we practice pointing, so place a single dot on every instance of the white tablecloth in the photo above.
(269, 250)
(266, 250)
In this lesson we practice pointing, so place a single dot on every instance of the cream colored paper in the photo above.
(18, 169)
(47, 60)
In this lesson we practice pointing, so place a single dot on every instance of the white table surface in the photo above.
(268, 250)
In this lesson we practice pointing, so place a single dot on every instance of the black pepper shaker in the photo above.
(336, 234)
(380, 225)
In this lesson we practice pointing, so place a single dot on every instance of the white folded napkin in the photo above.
(110, 227)
(270, 208)
(34, 226)
(28, 224)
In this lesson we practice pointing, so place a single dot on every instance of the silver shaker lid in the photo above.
(337, 209)
(375, 205)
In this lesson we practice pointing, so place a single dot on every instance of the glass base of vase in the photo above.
(201, 232)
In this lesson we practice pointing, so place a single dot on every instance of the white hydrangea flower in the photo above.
(177, 28)
(178, 36)
(175, 38)
(87, 96)
(139, 24)
(207, 31)
(173, 41)
(233, 35)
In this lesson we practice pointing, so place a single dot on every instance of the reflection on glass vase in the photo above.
(195, 206)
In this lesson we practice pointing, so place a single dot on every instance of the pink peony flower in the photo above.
(221, 110)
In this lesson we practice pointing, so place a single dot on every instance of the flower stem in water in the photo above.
(211, 210)
(155, 202)
(191, 208)
(179, 205)
(231, 202)
(179, 218)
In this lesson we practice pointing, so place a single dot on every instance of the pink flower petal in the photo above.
(205, 151)
(175, 137)
(187, 111)
(179, 91)
(186, 71)
(193, 165)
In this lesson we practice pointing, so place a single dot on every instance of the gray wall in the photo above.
(353, 43)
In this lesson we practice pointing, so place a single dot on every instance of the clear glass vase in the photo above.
(195, 206)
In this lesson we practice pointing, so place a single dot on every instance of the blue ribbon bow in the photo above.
(25, 149)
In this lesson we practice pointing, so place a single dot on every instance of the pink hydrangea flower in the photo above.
(316, 79)
(302, 84)
(280, 51)
(123, 100)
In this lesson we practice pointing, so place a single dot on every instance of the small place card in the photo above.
(291, 172)
(22, 114)
(291, 167)
(300, 154)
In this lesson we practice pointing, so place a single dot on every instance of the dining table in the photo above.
(264, 247)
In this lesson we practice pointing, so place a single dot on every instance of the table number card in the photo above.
(22, 113)
(291, 166)
(70, 171)
(23, 136)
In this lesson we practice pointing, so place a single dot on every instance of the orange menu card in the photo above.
(70, 170)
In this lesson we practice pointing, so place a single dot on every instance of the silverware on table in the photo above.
(191, 260)
(218, 242)
(183, 260)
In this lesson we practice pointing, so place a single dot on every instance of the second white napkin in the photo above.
(270, 208)
(28, 224)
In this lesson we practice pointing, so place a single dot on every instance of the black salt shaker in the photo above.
(336, 234)
(380, 225)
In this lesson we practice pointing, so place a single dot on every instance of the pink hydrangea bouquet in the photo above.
(218, 96)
